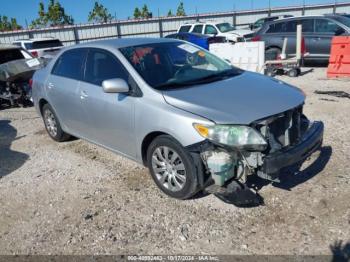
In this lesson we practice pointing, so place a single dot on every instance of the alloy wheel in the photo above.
(50, 122)
(169, 168)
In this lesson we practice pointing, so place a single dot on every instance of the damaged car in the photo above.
(16, 70)
(192, 118)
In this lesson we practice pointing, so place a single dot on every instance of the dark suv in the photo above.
(318, 32)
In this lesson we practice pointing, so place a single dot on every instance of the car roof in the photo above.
(6, 46)
(189, 34)
(203, 23)
(35, 40)
(124, 42)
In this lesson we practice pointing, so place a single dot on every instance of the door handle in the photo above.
(50, 85)
(83, 95)
(316, 38)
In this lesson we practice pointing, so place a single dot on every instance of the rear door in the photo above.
(63, 90)
(111, 116)
(308, 27)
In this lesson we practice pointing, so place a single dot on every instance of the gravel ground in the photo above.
(76, 198)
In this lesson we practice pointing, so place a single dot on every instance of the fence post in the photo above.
(160, 27)
(119, 35)
(30, 34)
(76, 35)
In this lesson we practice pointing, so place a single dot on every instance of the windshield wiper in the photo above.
(207, 79)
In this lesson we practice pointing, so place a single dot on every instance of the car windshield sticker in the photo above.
(189, 48)
(33, 62)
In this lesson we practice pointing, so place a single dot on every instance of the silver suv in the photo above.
(190, 117)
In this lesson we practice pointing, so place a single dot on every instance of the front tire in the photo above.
(172, 168)
(52, 125)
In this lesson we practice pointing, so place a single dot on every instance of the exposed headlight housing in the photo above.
(241, 137)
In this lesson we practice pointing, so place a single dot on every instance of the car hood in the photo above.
(238, 100)
(241, 32)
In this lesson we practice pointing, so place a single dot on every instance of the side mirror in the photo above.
(251, 27)
(339, 31)
(116, 85)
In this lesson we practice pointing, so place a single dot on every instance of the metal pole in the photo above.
(303, 12)
(335, 7)
(269, 8)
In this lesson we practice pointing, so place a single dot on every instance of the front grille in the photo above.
(283, 130)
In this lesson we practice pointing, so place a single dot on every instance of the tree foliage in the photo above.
(143, 13)
(137, 13)
(170, 13)
(7, 24)
(99, 14)
(181, 10)
(54, 16)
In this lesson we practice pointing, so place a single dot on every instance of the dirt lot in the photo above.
(76, 198)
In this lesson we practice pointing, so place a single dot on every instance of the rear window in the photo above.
(70, 64)
(44, 44)
(185, 28)
(277, 28)
(10, 55)
(197, 29)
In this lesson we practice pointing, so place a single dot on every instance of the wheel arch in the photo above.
(42, 102)
(147, 141)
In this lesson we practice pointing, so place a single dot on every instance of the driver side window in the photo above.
(210, 30)
(326, 26)
(102, 65)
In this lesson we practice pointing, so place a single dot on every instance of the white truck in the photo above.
(225, 29)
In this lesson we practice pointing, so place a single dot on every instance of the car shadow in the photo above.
(340, 251)
(294, 176)
(302, 73)
(9, 160)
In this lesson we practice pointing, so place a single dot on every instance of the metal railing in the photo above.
(161, 26)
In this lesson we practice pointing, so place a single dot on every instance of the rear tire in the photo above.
(293, 73)
(52, 125)
(172, 167)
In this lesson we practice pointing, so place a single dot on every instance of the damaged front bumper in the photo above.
(310, 142)
(224, 164)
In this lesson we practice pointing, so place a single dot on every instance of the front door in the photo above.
(325, 30)
(111, 115)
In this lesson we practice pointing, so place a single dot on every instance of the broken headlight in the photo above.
(243, 137)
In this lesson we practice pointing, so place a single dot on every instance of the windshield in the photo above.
(344, 20)
(176, 64)
(225, 27)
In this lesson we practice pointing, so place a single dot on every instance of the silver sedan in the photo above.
(190, 117)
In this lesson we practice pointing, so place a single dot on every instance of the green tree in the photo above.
(137, 13)
(145, 13)
(170, 13)
(7, 24)
(181, 10)
(54, 16)
(99, 14)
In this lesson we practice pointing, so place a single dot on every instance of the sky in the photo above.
(26, 10)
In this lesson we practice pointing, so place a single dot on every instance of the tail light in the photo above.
(30, 83)
(34, 53)
(256, 38)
